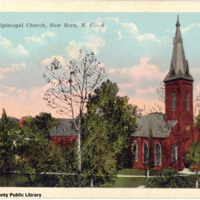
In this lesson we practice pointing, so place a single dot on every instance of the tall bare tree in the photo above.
(161, 92)
(70, 86)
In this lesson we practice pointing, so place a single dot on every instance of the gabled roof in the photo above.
(155, 122)
(179, 67)
(65, 128)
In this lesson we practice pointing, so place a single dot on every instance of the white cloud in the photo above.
(40, 39)
(135, 31)
(7, 89)
(115, 19)
(184, 30)
(119, 33)
(195, 71)
(48, 61)
(93, 44)
(8, 46)
(150, 90)
(140, 37)
(125, 85)
(99, 28)
(146, 71)
(22, 102)
(142, 72)
(13, 68)
(139, 82)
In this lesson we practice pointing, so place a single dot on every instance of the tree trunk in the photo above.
(6, 180)
(197, 181)
(29, 179)
(148, 173)
(79, 151)
(92, 182)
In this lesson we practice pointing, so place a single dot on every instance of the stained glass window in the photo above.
(146, 152)
(158, 154)
(135, 151)
(174, 153)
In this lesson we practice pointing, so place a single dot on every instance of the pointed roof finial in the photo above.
(179, 68)
(177, 22)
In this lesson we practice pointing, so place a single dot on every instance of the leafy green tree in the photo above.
(70, 159)
(99, 160)
(193, 158)
(45, 122)
(8, 129)
(118, 117)
(37, 154)
(109, 123)
(197, 121)
(168, 178)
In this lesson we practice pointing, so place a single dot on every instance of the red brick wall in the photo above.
(182, 140)
(66, 141)
(140, 163)
(180, 87)
(166, 156)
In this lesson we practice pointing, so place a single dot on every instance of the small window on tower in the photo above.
(173, 101)
(186, 102)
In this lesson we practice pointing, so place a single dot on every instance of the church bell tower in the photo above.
(179, 85)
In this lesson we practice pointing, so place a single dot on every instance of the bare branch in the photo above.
(70, 87)
(161, 92)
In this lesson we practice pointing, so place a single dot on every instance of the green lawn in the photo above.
(131, 172)
(129, 182)
(15, 180)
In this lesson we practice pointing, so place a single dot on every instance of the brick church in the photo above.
(173, 132)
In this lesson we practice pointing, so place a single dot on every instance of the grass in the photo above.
(17, 180)
(129, 182)
(14, 180)
(131, 172)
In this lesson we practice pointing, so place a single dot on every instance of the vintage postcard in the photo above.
(99, 99)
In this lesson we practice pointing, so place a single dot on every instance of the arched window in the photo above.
(146, 152)
(174, 153)
(158, 156)
(186, 102)
(173, 101)
(135, 151)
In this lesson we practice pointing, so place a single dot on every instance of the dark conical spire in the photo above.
(179, 66)
(177, 22)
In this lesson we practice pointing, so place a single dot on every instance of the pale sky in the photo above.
(135, 49)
